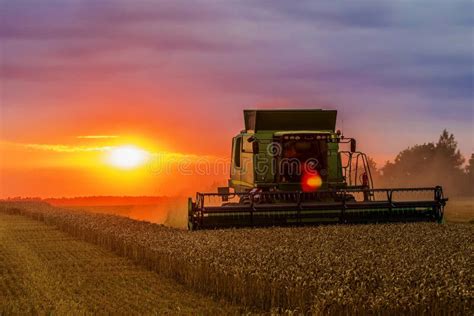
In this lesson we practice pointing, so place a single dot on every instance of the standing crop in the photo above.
(390, 268)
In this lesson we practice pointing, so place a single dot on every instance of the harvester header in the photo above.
(289, 167)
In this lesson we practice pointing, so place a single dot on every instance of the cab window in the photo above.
(237, 150)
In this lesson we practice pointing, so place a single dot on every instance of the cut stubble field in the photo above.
(44, 270)
(390, 268)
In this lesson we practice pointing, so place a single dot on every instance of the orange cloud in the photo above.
(65, 148)
(97, 136)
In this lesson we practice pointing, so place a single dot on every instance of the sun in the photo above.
(127, 157)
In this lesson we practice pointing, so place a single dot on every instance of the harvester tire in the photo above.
(440, 214)
(245, 200)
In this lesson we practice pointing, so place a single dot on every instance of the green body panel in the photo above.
(258, 167)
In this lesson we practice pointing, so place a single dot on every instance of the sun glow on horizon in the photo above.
(127, 157)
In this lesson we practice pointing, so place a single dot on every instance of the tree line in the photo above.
(429, 164)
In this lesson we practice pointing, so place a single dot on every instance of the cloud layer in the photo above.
(384, 64)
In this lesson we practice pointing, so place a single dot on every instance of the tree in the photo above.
(448, 152)
(470, 166)
(409, 164)
(429, 164)
(470, 175)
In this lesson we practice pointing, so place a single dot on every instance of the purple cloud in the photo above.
(370, 58)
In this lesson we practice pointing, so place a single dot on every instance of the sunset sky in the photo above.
(169, 79)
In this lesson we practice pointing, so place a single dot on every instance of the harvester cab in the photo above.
(291, 167)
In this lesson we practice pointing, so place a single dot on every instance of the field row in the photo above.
(366, 268)
(44, 270)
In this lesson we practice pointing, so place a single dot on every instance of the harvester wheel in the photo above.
(191, 207)
(244, 200)
(190, 224)
(440, 214)
(350, 198)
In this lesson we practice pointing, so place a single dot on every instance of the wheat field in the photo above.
(391, 268)
(45, 271)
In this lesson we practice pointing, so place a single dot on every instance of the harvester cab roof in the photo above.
(288, 168)
(290, 120)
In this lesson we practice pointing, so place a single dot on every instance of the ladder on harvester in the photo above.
(357, 172)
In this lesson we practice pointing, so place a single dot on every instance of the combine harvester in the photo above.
(287, 168)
